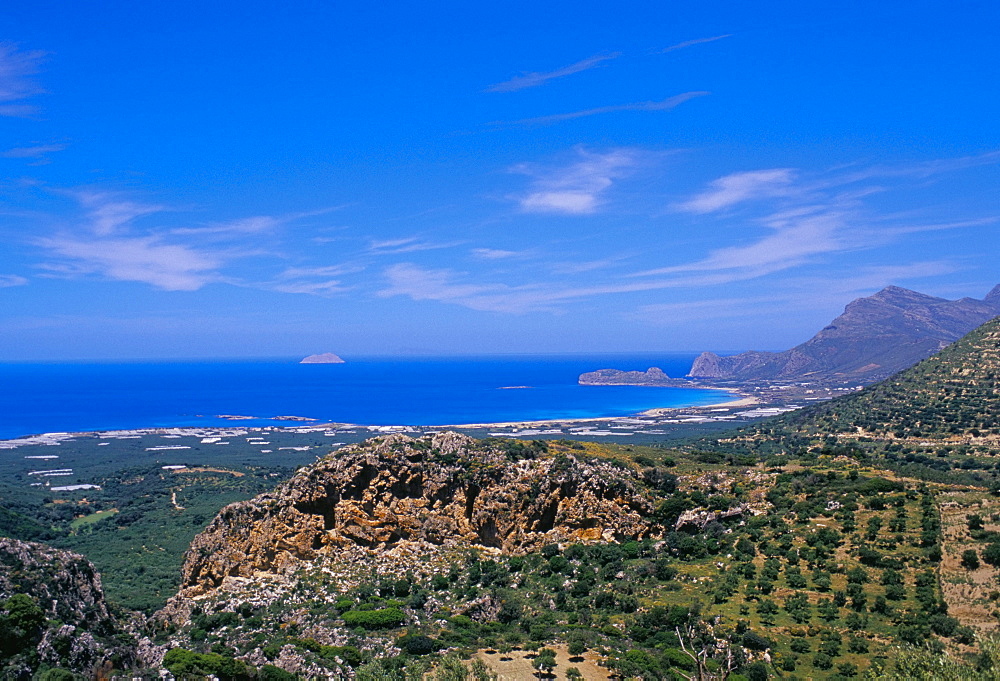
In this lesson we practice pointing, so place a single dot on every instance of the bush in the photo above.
(417, 644)
(822, 661)
(755, 641)
(970, 559)
(181, 662)
(384, 618)
(991, 554)
(271, 673)
(57, 675)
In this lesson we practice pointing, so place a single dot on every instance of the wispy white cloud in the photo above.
(696, 41)
(495, 254)
(37, 153)
(256, 224)
(801, 219)
(109, 213)
(578, 267)
(317, 281)
(662, 105)
(113, 240)
(575, 189)
(739, 187)
(323, 271)
(419, 283)
(10, 280)
(107, 243)
(449, 286)
(794, 238)
(327, 287)
(407, 245)
(806, 218)
(17, 67)
(172, 267)
(535, 79)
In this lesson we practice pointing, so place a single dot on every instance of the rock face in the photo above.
(68, 588)
(874, 338)
(652, 376)
(325, 358)
(446, 488)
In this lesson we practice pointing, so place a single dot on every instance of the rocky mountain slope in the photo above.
(395, 489)
(59, 595)
(952, 396)
(874, 338)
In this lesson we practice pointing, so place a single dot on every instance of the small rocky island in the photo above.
(653, 376)
(325, 358)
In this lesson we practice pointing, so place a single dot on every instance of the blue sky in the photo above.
(242, 179)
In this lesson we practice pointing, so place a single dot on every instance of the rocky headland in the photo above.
(394, 490)
(654, 376)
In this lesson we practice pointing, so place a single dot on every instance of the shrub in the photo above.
(417, 644)
(384, 618)
(970, 559)
(271, 673)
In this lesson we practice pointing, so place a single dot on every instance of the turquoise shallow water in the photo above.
(58, 397)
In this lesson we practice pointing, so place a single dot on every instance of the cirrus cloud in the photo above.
(577, 188)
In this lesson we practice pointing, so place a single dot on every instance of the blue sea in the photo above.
(77, 397)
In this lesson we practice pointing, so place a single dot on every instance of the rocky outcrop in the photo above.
(82, 631)
(324, 358)
(652, 376)
(394, 489)
(874, 338)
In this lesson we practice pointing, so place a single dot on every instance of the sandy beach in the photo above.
(741, 401)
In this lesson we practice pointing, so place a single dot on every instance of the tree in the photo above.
(991, 554)
(970, 559)
(21, 624)
(545, 662)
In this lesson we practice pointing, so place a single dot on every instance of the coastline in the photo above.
(741, 400)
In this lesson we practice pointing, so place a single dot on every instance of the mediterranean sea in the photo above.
(88, 396)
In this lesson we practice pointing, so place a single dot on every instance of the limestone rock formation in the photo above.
(395, 489)
(652, 376)
(874, 338)
(82, 631)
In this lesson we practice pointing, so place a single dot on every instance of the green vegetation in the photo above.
(814, 580)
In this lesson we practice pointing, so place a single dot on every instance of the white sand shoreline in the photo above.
(741, 400)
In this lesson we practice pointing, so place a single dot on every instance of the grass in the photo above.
(88, 520)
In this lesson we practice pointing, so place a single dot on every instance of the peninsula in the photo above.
(654, 376)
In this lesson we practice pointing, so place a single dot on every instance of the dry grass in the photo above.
(967, 591)
(516, 665)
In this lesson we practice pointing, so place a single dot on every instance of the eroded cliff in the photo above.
(395, 489)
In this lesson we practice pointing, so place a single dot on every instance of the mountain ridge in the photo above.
(951, 397)
(875, 337)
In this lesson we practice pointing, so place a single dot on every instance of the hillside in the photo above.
(375, 558)
(53, 613)
(953, 396)
(950, 399)
(875, 337)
